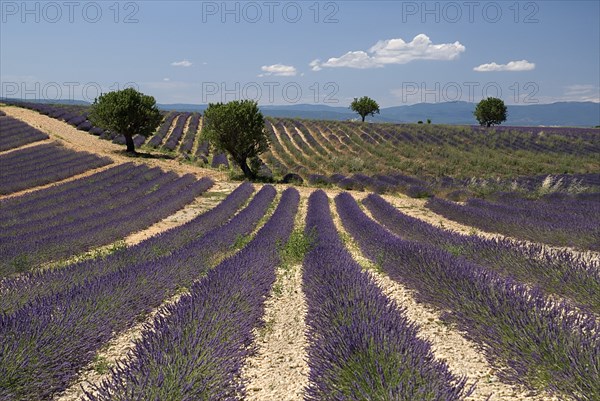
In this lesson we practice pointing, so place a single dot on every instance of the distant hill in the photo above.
(582, 114)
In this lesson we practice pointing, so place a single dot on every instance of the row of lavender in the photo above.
(73, 217)
(359, 341)
(556, 273)
(46, 341)
(180, 139)
(22, 289)
(557, 219)
(43, 164)
(15, 133)
(531, 339)
(576, 141)
(196, 349)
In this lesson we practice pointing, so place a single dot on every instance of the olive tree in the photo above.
(237, 127)
(128, 112)
(364, 106)
(490, 111)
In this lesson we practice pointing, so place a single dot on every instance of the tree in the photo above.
(237, 127)
(490, 111)
(365, 106)
(128, 112)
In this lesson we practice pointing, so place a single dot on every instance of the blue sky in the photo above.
(285, 52)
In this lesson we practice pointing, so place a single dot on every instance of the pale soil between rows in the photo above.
(75, 139)
(118, 350)
(461, 355)
(279, 371)
(112, 354)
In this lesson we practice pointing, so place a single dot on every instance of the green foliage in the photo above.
(128, 112)
(101, 365)
(296, 247)
(490, 111)
(364, 106)
(238, 128)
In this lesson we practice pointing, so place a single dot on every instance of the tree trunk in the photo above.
(247, 171)
(129, 142)
(363, 118)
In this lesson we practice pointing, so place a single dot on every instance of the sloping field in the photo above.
(274, 292)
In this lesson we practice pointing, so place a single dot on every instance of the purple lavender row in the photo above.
(22, 252)
(162, 131)
(14, 210)
(80, 194)
(43, 173)
(563, 230)
(361, 345)
(46, 343)
(15, 133)
(220, 160)
(190, 135)
(32, 154)
(309, 138)
(26, 164)
(16, 292)
(57, 170)
(54, 215)
(559, 273)
(177, 132)
(546, 207)
(122, 200)
(196, 351)
(532, 340)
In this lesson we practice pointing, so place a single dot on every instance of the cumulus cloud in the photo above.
(393, 51)
(278, 70)
(183, 63)
(521, 65)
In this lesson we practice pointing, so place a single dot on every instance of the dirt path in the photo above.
(72, 178)
(416, 208)
(461, 355)
(27, 145)
(116, 351)
(283, 145)
(75, 139)
(278, 371)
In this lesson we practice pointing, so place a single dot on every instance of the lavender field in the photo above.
(393, 299)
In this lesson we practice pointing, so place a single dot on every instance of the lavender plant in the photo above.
(531, 339)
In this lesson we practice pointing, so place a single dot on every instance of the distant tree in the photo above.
(490, 111)
(128, 112)
(237, 127)
(364, 106)
(420, 122)
(429, 121)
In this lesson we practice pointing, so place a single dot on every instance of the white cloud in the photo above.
(393, 51)
(581, 93)
(521, 65)
(278, 70)
(183, 63)
(315, 65)
(166, 79)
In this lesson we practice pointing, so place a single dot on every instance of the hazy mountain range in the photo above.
(584, 114)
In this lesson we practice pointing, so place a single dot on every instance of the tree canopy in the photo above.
(128, 112)
(237, 127)
(490, 111)
(364, 106)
